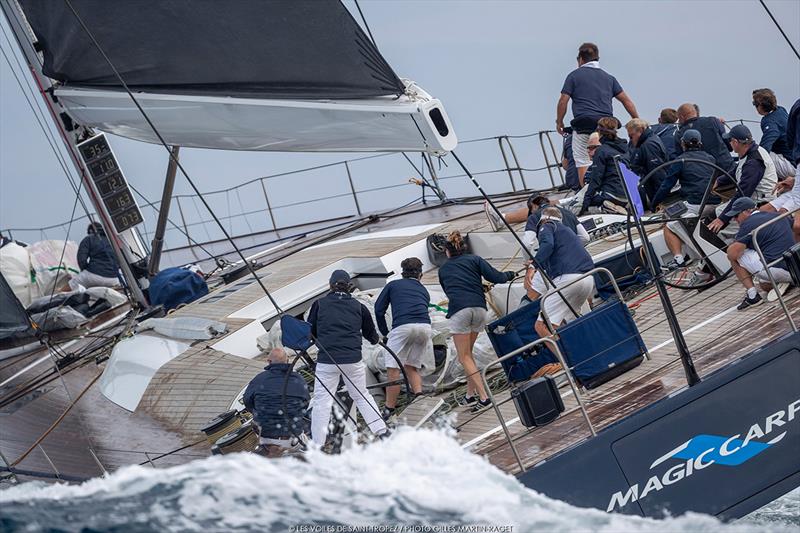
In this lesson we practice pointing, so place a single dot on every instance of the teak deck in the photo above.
(202, 382)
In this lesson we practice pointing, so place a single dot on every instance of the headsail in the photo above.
(281, 75)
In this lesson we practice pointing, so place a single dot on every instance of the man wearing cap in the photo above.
(755, 176)
(693, 171)
(338, 322)
(773, 241)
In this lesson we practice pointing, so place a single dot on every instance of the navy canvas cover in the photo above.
(600, 340)
(295, 333)
(174, 286)
(276, 49)
(514, 331)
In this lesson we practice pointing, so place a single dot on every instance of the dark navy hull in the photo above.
(724, 447)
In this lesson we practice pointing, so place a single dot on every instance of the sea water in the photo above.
(416, 481)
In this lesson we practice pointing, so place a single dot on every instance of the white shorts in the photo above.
(469, 320)
(410, 342)
(751, 262)
(580, 152)
(576, 294)
(789, 201)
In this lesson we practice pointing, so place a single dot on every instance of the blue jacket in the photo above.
(560, 251)
(604, 177)
(693, 177)
(647, 155)
(338, 321)
(460, 277)
(773, 133)
(752, 173)
(568, 218)
(666, 132)
(96, 255)
(264, 398)
(711, 130)
(409, 300)
(793, 132)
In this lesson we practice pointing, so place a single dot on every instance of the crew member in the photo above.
(96, 260)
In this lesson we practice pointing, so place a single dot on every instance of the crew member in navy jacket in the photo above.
(604, 187)
(96, 260)
(711, 131)
(646, 154)
(774, 122)
(563, 257)
(338, 322)
(410, 338)
(461, 277)
(278, 398)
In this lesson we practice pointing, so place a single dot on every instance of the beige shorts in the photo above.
(469, 320)
(410, 342)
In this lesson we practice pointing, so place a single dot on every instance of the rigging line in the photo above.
(244, 214)
(366, 25)
(776, 24)
(172, 156)
(47, 134)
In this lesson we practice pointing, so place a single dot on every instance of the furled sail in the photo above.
(282, 75)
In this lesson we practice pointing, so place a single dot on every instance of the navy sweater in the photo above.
(264, 397)
(793, 133)
(560, 251)
(460, 277)
(338, 321)
(409, 300)
(711, 130)
(752, 173)
(604, 177)
(773, 133)
(96, 255)
(693, 177)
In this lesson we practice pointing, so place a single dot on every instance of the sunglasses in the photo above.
(593, 147)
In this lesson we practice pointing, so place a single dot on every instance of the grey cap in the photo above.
(741, 204)
(339, 276)
(691, 136)
(740, 132)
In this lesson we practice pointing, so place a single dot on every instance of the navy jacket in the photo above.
(560, 251)
(460, 277)
(409, 300)
(666, 132)
(338, 321)
(264, 398)
(693, 177)
(568, 218)
(711, 130)
(649, 153)
(752, 173)
(793, 132)
(604, 177)
(96, 255)
(773, 133)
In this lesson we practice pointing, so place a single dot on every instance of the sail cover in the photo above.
(276, 49)
(13, 319)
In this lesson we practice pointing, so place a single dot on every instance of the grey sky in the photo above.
(497, 66)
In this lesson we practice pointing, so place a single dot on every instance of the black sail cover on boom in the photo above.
(13, 318)
(288, 49)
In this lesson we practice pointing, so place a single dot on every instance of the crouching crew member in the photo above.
(96, 260)
(461, 278)
(563, 257)
(338, 322)
(278, 403)
(410, 338)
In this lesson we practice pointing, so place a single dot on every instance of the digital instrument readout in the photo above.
(110, 182)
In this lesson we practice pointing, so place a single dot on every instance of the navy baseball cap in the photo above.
(691, 136)
(741, 204)
(740, 132)
(339, 276)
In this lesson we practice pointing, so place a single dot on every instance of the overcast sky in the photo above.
(497, 66)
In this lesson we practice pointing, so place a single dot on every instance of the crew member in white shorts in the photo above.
(410, 337)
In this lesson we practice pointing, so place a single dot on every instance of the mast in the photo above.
(126, 245)
(163, 214)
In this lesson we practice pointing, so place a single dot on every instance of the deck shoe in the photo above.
(467, 400)
(781, 288)
(699, 277)
(481, 405)
(387, 413)
(614, 208)
(750, 302)
(495, 221)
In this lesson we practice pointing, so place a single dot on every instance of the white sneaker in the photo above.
(495, 221)
(772, 296)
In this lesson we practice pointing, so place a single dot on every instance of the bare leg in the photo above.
(581, 174)
(541, 329)
(796, 227)
(414, 379)
(516, 216)
(742, 275)
(674, 243)
(464, 343)
(768, 208)
(393, 391)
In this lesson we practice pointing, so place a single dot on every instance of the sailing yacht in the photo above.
(663, 434)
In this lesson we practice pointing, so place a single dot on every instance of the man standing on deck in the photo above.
(773, 241)
(591, 90)
(338, 322)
